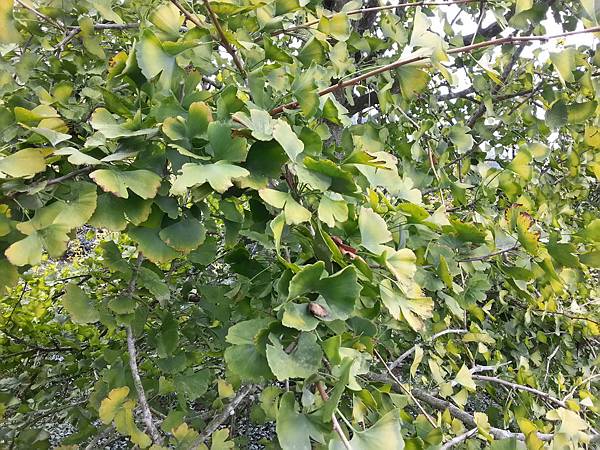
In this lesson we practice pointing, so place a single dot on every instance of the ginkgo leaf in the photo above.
(294, 212)
(301, 362)
(167, 18)
(259, 122)
(8, 30)
(185, 235)
(386, 433)
(24, 163)
(332, 208)
(220, 176)
(414, 310)
(283, 133)
(151, 245)
(143, 182)
(79, 305)
(402, 264)
(111, 404)
(104, 122)
(464, 378)
(373, 231)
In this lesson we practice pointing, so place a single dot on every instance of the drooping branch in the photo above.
(520, 387)
(373, 9)
(223, 415)
(413, 59)
(215, 20)
(411, 350)
(135, 372)
(336, 425)
(39, 15)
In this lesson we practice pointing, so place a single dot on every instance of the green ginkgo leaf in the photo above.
(220, 176)
(414, 310)
(151, 245)
(8, 30)
(23, 163)
(79, 305)
(301, 362)
(167, 18)
(386, 433)
(143, 182)
(294, 212)
(104, 122)
(184, 236)
(373, 231)
(332, 208)
(283, 133)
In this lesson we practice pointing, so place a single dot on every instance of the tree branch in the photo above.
(520, 387)
(135, 372)
(44, 17)
(411, 350)
(458, 439)
(223, 415)
(373, 9)
(215, 20)
(336, 425)
(406, 61)
(405, 390)
(490, 255)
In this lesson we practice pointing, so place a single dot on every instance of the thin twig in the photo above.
(373, 9)
(458, 439)
(490, 255)
(44, 17)
(215, 20)
(413, 59)
(407, 391)
(520, 387)
(93, 445)
(336, 425)
(223, 415)
(411, 350)
(572, 392)
(135, 373)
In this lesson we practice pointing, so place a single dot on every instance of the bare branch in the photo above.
(336, 425)
(135, 372)
(411, 350)
(406, 61)
(223, 415)
(521, 387)
(405, 390)
(458, 439)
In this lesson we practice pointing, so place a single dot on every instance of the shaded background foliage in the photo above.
(348, 218)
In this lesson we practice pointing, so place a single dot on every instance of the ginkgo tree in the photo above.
(376, 225)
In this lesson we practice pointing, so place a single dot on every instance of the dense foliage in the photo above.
(362, 224)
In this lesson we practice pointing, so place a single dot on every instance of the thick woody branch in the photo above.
(135, 372)
(406, 61)
(220, 418)
(521, 387)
